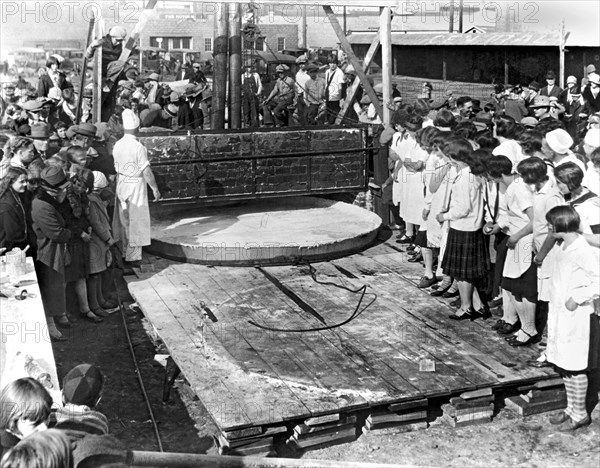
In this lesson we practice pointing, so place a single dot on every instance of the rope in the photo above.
(357, 310)
(138, 373)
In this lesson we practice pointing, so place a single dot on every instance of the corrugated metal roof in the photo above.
(519, 39)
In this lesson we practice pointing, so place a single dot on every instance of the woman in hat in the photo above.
(13, 217)
(53, 236)
(190, 114)
(591, 94)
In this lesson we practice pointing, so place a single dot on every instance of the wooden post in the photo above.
(451, 19)
(352, 58)
(561, 57)
(90, 37)
(97, 76)
(235, 67)
(302, 43)
(351, 93)
(460, 16)
(385, 28)
(444, 65)
(220, 68)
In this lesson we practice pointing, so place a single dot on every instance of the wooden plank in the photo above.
(271, 399)
(279, 354)
(449, 363)
(183, 348)
(353, 59)
(370, 331)
(491, 351)
(365, 342)
(351, 94)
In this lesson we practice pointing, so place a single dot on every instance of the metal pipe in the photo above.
(220, 70)
(262, 156)
(235, 67)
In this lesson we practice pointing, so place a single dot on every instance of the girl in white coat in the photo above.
(575, 285)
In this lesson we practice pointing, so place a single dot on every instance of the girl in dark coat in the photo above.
(13, 216)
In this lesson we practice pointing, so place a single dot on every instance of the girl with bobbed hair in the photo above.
(444, 120)
(48, 449)
(53, 82)
(466, 258)
(24, 408)
(572, 322)
(531, 143)
(505, 131)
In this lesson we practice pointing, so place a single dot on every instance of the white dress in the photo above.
(575, 275)
(409, 187)
(131, 222)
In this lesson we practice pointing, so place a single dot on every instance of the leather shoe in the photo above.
(559, 418)
(538, 364)
(405, 239)
(416, 258)
(448, 294)
(100, 312)
(483, 313)
(508, 328)
(499, 323)
(466, 315)
(439, 291)
(427, 282)
(570, 425)
(516, 342)
(455, 303)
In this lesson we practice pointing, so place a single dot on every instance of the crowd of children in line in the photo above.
(506, 212)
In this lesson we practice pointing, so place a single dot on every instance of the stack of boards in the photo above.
(469, 408)
(323, 431)
(257, 441)
(399, 417)
(547, 395)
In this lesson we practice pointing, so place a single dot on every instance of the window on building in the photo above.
(260, 43)
(208, 44)
(171, 42)
(280, 43)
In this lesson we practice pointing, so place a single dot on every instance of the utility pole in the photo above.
(451, 19)
(220, 73)
(460, 16)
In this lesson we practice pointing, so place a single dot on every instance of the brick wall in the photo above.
(201, 166)
(274, 31)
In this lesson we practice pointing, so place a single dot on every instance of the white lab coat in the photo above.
(575, 274)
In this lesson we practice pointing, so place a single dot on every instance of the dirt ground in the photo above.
(184, 425)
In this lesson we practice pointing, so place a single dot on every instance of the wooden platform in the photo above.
(247, 376)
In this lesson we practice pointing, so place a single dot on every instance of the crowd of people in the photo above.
(503, 210)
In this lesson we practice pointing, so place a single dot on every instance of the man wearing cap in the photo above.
(281, 96)
(556, 146)
(190, 114)
(131, 221)
(251, 90)
(52, 235)
(36, 112)
(335, 81)
(195, 75)
(314, 96)
(541, 107)
(301, 79)
(591, 94)
(40, 134)
(82, 389)
(112, 67)
(551, 90)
